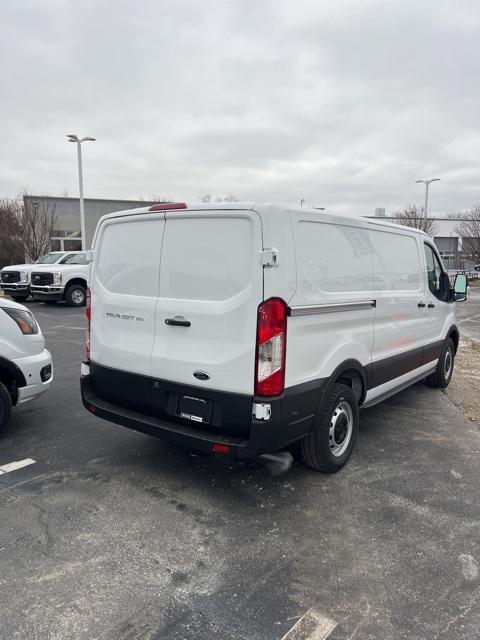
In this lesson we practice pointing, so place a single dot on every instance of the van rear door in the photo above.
(211, 283)
(124, 284)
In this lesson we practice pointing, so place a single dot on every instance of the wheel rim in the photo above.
(448, 363)
(341, 428)
(78, 296)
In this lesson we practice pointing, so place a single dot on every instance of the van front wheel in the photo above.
(442, 375)
(330, 443)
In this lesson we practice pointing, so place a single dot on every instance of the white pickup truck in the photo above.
(67, 281)
(15, 279)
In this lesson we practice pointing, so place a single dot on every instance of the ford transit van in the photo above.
(241, 328)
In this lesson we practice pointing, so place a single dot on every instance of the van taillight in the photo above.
(88, 313)
(271, 347)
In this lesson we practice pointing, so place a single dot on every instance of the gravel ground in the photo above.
(464, 389)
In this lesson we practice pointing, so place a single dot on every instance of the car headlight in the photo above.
(57, 278)
(23, 276)
(24, 319)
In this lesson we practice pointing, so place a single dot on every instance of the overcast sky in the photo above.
(341, 102)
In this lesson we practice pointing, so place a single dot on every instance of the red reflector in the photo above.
(165, 206)
(92, 408)
(221, 448)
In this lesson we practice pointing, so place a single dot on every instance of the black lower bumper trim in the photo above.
(178, 434)
(42, 295)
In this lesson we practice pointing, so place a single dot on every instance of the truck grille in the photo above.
(40, 279)
(11, 276)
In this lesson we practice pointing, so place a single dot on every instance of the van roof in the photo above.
(272, 206)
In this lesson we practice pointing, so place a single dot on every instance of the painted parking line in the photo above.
(313, 625)
(13, 466)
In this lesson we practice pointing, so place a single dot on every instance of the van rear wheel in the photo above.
(443, 373)
(330, 443)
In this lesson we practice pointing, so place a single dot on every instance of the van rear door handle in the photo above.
(421, 304)
(178, 321)
(431, 305)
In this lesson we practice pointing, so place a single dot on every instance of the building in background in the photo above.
(67, 236)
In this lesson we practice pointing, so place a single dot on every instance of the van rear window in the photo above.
(206, 258)
(129, 257)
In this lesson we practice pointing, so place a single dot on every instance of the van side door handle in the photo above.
(431, 305)
(421, 305)
(178, 321)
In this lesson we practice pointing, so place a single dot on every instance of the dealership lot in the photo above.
(112, 534)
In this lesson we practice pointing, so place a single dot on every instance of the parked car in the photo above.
(15, 279)
(477, 267)
(66, 281)
(239, 329)
(25, 365)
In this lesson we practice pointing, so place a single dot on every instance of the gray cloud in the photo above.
(343, 103)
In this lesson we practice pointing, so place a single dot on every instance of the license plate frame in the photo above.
(194, 409)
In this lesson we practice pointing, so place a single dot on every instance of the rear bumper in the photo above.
(47, 292)
(292, 417)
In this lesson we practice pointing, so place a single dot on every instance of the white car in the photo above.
(66, 281)
(242, 328)
(25, 365)
(15, 279)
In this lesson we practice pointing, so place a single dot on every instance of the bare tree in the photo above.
(209, 198)
(469, 230)
(228, 198)
(11, 243)
(39, 220)
(158, 198)
(413, 216)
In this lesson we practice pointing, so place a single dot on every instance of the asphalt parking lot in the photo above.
(112, 534)
(469, 314)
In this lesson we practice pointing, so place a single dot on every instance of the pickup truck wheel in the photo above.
(19, 298)
(442, 375)
(330, 443)
(5, 405)
(75, 295)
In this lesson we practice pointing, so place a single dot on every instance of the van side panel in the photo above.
(400, 324)
(334, 271)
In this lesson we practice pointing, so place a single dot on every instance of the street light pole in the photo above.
(427, 185)
(74, 138)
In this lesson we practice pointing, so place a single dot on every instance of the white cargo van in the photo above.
(241, 328)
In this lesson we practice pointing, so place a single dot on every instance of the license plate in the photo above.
(194, 409)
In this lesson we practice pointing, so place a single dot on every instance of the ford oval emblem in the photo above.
(201, 375)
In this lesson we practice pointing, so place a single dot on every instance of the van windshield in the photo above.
(49, 258)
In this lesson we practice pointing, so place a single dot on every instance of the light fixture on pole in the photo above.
(427, 184)
(75, 138)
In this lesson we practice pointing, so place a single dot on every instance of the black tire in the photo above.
(5, 405)
(340, 404)
(19, 298)
(76, 295)
(443, 373)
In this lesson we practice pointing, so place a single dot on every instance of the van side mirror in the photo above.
(460, 287)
